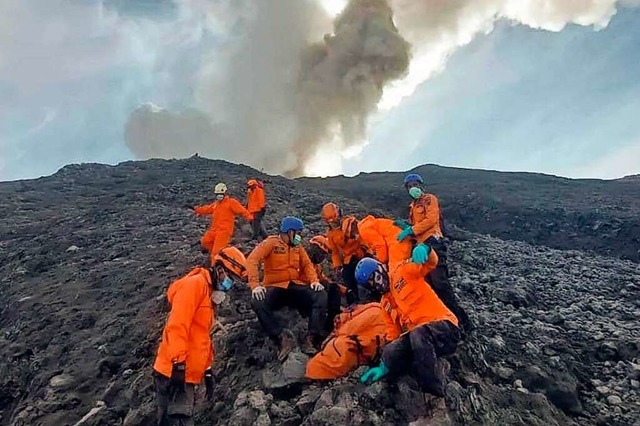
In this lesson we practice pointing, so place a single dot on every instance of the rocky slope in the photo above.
(86, 254)
(585, 214)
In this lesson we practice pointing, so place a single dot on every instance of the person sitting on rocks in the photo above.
(289, 279)
(430, 328)
(318, 251)
(345, 251)
(425, 226)
(223, 213)
(185, 354)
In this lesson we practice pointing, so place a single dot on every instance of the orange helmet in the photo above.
(331, 212)
(251, 183)
(233, 261)
(350, 227)
(321, 242)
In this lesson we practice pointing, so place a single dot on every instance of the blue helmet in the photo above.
(365, 269)
(291, 223)
(413, 177)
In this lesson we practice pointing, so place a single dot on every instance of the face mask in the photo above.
(226, 284)
(217, 297)
(219, 197)
(297, 239)
(415, 192)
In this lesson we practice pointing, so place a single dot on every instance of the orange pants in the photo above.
(214, 241)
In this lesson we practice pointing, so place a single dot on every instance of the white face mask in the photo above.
(218, 297)
(219, 197)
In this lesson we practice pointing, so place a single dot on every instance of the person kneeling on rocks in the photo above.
(430, 328)
(185, 354)
(289, 279)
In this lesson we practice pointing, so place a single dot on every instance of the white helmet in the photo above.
(220, 188)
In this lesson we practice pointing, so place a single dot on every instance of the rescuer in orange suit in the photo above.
(380, 235)
(223, 213)
(185, 354)
(430, 328)
(289, 279)
(426, 227)
(257, 205)
(345, 250)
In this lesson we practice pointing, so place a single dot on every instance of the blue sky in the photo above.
(563, 103)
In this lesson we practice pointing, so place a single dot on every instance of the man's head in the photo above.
(318, 249)
(252, 183)
(372, 275)
(228, 265)
(349, 227)
(332, 215)
(414, 184)
(290, 229)
(220, 190)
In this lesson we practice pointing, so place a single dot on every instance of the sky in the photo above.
(512, 98)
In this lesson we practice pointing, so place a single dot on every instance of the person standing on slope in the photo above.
(186, 352)
(289, 279)
(346, 250)
(257, 205)
(430, 329)
(223, 213)
(426, 227)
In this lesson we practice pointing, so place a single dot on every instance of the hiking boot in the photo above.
(287, 344)
(308, 346)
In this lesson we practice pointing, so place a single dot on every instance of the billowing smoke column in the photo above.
(274, 98)
(342, 79)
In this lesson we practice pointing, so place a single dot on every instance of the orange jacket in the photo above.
(357, 339)
(186, 333)
(281, 263)
(256, 200)
(342, 248)
(223, 214)
(424, 215)
(380, 236)
(411, 301)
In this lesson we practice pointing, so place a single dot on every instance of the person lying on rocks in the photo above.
(289, 279)
(425, 226)
(430, 329)
(345, 251)
(223, 213)
(318, 251)
(357, 339)
(185, 354)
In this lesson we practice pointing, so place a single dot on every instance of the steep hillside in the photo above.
(585, 214)
(86, 254)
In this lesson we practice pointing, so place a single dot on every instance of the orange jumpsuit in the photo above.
(186, 334)
(342, 248)
(380, 236)
(282, 264)
(223, 215)
(256, 200)
(424, 215)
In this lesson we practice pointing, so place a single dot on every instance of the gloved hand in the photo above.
(177, 381)
(317, 287)
(259, 293)
(405, 233)
(402, 224)
(374, 374)
(208, 383)
(420, 254)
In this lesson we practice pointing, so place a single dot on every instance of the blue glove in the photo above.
(420, 254)
(374, 374)
(405, 233)
(402, 224)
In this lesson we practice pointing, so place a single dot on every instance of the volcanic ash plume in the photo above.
(341, 79)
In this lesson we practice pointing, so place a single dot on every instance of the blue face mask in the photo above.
(226, 284)
(415, 192)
